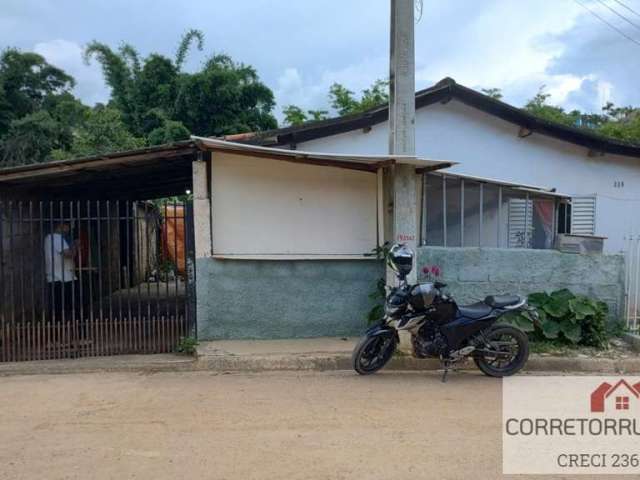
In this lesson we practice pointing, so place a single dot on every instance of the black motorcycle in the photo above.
(442, 329)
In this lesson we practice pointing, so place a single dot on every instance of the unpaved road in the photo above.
(260, 426)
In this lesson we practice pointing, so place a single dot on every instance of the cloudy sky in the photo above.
(301, 47)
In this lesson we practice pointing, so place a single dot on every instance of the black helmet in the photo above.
(401, 259)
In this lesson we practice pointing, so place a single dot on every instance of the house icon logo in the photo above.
(619, 397)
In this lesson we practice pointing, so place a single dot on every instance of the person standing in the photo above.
(60, 271)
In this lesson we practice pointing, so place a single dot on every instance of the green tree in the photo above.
(539, 107)
(31, 139)
(223, 98)
(139, 86)
(494, 93)
(316, 115)
(170, 131)
(294, 115)
(37, 110)
(102, 131)
(26, 81)
(344, 101)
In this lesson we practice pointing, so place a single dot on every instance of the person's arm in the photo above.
(70, 252)
(65, 250)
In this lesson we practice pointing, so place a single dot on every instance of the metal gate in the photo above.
(89, 278)
(632, 283)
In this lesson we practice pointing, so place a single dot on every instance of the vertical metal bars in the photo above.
(77, 278)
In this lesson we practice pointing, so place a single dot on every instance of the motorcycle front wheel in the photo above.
(373, 353)
(506, 353)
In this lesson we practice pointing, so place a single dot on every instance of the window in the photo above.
(583, 215)
(564, 217)
(622, 403)
(468, 212)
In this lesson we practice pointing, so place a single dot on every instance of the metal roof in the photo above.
(345, 160)
(165, 170)
(523, 187)
(137, 174)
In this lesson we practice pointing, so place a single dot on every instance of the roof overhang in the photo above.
(143, 173)
(369, 163)
(523, 187)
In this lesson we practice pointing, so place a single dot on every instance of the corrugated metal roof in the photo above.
(371, 162)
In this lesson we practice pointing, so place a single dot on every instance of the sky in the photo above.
(301, 47)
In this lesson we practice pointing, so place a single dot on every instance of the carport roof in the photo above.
(136, 174)
(165, 170)
(343, 160)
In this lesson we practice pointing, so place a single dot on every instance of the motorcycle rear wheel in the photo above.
(514, 346)
(372, 353)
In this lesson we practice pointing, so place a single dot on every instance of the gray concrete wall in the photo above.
(283, 298)
(473, 273)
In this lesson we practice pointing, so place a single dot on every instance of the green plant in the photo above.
(379, 294)
(187, 345)
(617, 328)
(563, 316)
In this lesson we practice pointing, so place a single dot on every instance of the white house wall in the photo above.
(489, 147)
(271, 207)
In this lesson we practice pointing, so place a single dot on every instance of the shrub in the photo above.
(566, 317)
(187, 345)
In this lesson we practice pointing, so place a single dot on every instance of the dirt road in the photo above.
(268, 426)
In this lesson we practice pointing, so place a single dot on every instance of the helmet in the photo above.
(401, 259)
(422, 295)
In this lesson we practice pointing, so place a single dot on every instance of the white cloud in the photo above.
(90, 86)
(300, 48)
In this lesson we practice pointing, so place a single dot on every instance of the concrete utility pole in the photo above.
(402, 116)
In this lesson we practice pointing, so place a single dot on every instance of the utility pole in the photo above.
(402, 116)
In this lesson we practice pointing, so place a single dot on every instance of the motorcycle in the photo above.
(440, 328)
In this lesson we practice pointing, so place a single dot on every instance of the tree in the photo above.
(139, 86)
(103, 131)
(26, 81)
(494, 93)
(37, 110)
(31, 139)
(224, 98)
(540, 108)
(170, 131)
(318, 114)
(294, 115)
(342, 99)
(374, 96)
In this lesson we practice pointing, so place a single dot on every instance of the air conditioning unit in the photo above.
(584, 244)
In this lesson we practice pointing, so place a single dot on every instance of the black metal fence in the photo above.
(85, 278)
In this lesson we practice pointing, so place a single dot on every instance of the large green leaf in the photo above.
(556, 307)
(538, 299)
(551, 329)
(581, 307)
(524, 322)
(563, 294)
(571, 331)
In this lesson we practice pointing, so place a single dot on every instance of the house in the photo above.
(626, 396)
(277, 243)
(491, 139)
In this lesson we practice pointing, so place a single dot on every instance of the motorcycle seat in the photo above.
(500, 301)
(475, 310)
